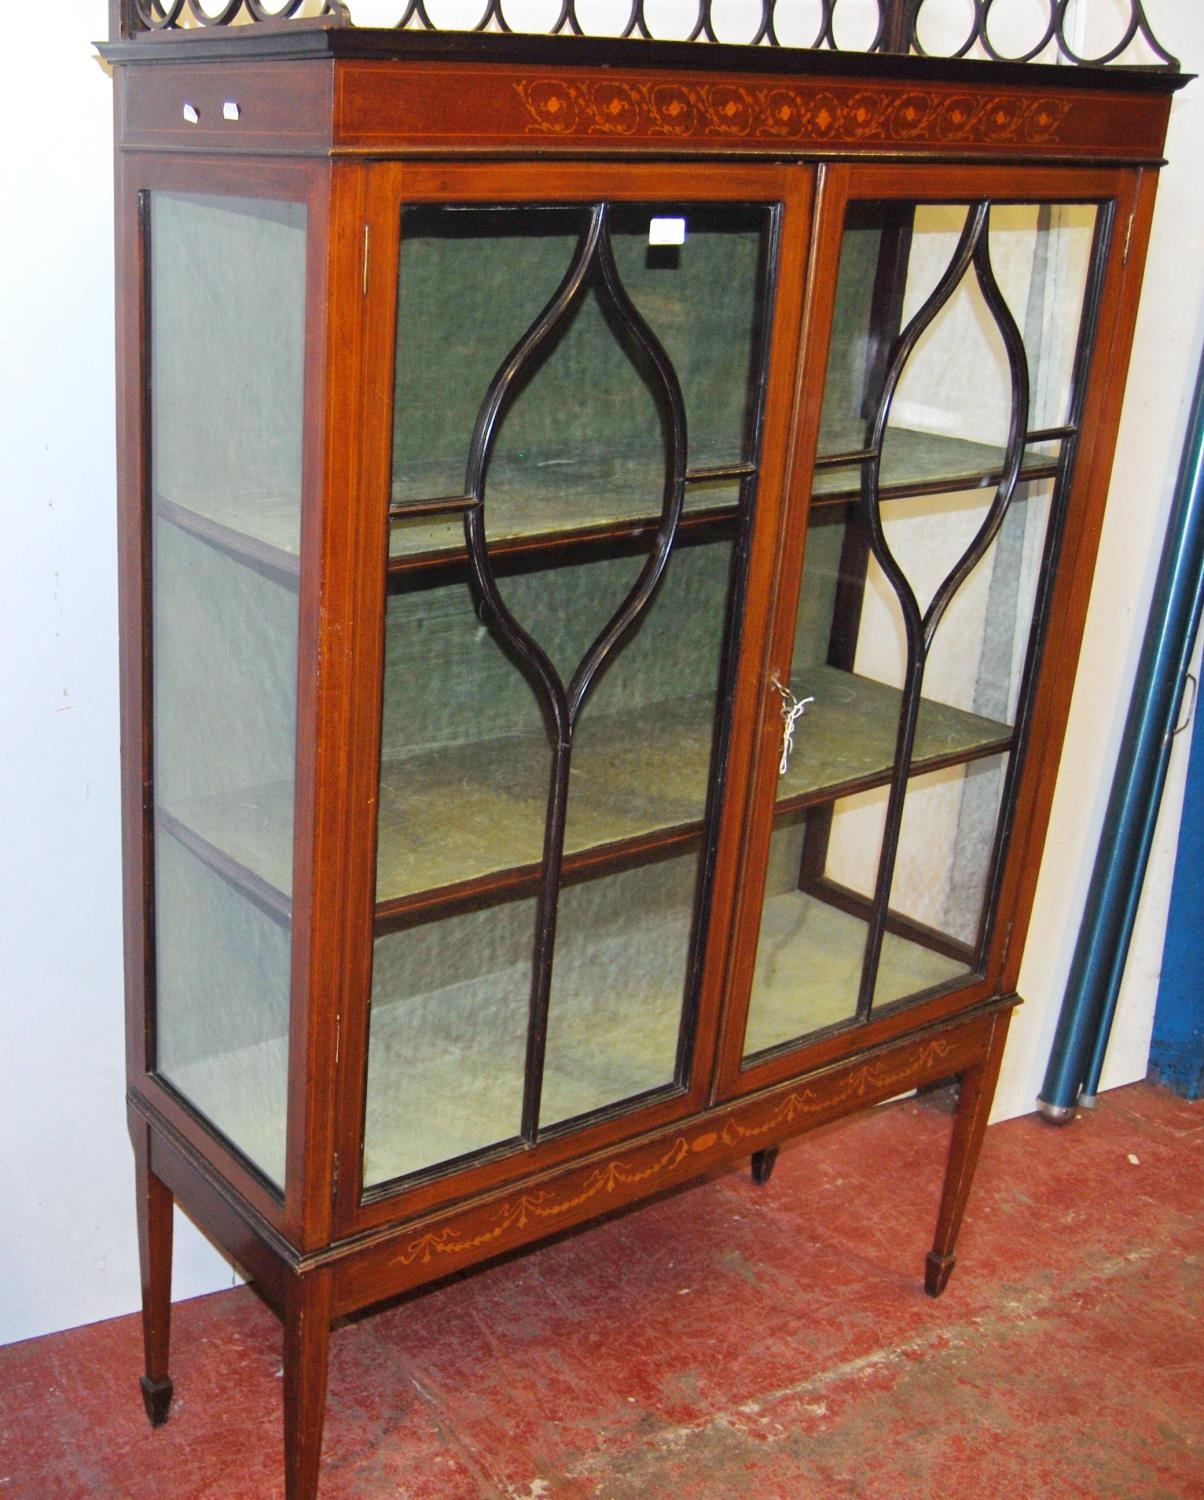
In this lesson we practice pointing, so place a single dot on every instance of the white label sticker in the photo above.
(666, 231)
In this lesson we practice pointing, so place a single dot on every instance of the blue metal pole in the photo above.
(1177, 1046)
(1081, 1039)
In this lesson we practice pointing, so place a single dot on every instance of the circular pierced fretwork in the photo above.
(173, 15)
(1016, 31)
(259, 10)
(151, 15)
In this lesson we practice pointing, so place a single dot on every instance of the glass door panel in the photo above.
(1041, 254)
(464, 752)
(227, 313)
(574, 454)
(473, 282)
(449, 1038)
(618, 985)
(949, 417)
(941, 877)
(809, 951)
(948, 412)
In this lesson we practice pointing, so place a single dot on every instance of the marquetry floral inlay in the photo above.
(617, 107)
(869, 1082)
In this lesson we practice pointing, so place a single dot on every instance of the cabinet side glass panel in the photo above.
(549, 726)
(227, 307)
(949, 402)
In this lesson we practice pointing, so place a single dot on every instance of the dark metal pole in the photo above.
(1081, 1040)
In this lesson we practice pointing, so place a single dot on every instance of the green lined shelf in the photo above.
(916, 463)
(472, 815)
(557, 505)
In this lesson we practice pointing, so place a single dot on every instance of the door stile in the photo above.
(1133, 192)
(337, 677)
(748, 605)
(369, 234)
(134, 597)
(781, 451)
(775, 570)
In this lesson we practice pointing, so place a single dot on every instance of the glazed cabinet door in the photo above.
(953, 341)
(579, 366)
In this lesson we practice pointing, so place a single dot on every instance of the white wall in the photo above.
(68, 1252)
(67, 1245)
(1166, 355)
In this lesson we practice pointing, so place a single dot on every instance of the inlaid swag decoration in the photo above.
(1016, 31)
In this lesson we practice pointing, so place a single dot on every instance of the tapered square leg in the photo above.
(155, 1208)
(306, 1358)
(762, 1164)
(976, 1092)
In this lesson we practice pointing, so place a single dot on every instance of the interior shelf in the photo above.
(638, 785)
(846, 738)
(561, 502)
(262, 530)
(270, 895)
(916, 463)
(556, 506)
(639, 780)
(564, 504)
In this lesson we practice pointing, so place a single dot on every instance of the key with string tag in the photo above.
(792, 712)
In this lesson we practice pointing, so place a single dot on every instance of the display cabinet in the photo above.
(605, 535)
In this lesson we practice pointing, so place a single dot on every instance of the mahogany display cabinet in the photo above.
(606, 528)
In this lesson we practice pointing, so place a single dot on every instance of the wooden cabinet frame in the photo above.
(354, 128)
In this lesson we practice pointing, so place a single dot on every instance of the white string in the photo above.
(792, 712)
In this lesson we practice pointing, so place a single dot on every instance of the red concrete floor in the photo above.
(730, 1342)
